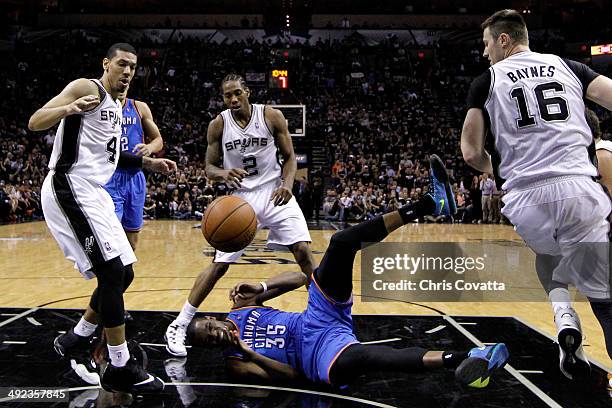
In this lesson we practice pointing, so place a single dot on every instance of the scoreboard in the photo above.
(602, 49)
(279, 78)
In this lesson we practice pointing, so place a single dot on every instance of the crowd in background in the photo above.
(379, 111)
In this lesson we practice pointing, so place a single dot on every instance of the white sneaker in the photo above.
(175, 369)
(175, 339)
(573, 362)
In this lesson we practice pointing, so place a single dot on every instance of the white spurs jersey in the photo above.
(86, 144)
(251, 148)
(534, 103)
(604, 145)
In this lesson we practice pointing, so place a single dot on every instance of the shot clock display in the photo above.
(279, 78)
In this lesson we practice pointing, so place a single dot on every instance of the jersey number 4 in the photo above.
(111, 149)
(552, 107)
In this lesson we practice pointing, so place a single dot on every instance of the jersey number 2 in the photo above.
(250, 165)
(552, 108)
(111, 148)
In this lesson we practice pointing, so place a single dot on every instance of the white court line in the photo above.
(260, 387)
(381, 341)
(8, 314)
(13, 342)
(21, 239)
(530, 371)
(156, 345)
(34, 321)
(19, 316)
(520, 377)
(468, 323)
(436, 329)
(599, 363)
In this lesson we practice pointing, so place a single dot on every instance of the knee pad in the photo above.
(128, 276)
(111, 277)
(342, 239)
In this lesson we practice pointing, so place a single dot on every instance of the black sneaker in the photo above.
(132, 377)
(77, 350)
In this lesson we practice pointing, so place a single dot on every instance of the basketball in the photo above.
(229, 224)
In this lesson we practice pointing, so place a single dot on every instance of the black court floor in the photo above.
(531, 378)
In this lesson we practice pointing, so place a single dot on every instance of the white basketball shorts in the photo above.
(286, 222)
(81, 218)
(567, 217)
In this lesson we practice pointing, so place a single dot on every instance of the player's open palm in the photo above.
(233, 177)
(83, 104)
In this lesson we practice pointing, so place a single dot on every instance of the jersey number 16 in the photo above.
(552, 107)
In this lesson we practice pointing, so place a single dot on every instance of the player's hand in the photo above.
(241, 345)
(163, 166)
(245, 291)
(233, 177)
(142, 149)
(83, 104)
(281, 196)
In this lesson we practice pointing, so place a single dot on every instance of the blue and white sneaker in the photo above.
(475, 371)
(440, 188)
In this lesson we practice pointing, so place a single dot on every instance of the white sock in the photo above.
(84, 328)
(119, 355)
(560, 298)
(186, 315)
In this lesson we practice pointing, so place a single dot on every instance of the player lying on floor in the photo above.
(319, 343)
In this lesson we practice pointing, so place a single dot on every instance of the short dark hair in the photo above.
(507, 21)
(593, 122)
(234, 77)
(112, 51)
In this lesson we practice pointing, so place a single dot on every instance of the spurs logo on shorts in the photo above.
(89, 242)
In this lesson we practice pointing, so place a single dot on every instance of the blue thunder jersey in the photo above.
(127, 187)
(131, 129)
(269, 332)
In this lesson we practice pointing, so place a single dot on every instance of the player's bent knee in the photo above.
(110, 275)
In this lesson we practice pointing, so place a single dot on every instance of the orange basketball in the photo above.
(229, 224)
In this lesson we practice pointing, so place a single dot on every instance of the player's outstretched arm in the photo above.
(600, 91)
(214, 172)
(164, 166)
(281, 134)
(252, 294)
(151, 131)
(473, 140)
(78, 96)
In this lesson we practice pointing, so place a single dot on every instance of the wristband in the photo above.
(265, 287)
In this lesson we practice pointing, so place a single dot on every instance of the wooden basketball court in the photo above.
(42, 287)
(34, 273)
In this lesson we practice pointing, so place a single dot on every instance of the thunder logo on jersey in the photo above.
(132, 133)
